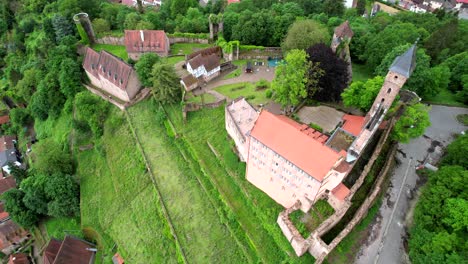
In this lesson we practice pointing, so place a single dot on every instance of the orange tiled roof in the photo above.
(340, 191)
(117, 259)
(284, 136)
(353, 124)
(4, 119)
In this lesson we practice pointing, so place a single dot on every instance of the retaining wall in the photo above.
(121, 40)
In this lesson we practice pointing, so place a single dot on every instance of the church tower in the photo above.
(400, 70)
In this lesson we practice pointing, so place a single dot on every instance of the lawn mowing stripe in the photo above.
(163, 206)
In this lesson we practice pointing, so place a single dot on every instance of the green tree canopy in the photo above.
(144, 66)
(91, 110)
(166, 87)
(18, 211)
(412, 123)
(305, 33)
(289, 84)
(50, 158)
(362, 94)
(455, 154)
(101, 25)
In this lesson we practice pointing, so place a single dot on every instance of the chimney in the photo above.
(142, 36)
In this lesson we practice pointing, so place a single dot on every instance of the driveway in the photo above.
(385, 242)
(260, 72)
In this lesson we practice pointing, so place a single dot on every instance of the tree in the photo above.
(27, 85)
(63, 193)
(18, 172)
(441, 39)
(392, 36)
(362, 94)
(92, 111)
(335, 77)
(144, 67)
(455, 154)
(361, 7)
(166, 87)
(101, 25)
(412, 123)
(35, 197)
(304, 33)
(131, 20)
(14, 205)
(289, 84)
(180, 7)
(51, 158)
(62, 27)
(333, 7)
(70, 77)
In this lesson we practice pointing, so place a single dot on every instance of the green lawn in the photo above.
(445, 97)
(59, 227)
(250, 208)
(119, 203)
(306, 223)
(246, 90)
(361, 72)
(174, 59)
(207, 98)
(187, 48)
(202, 233)
(235, 73)
(117, 50)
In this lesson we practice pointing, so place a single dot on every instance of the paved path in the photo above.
(263, 72)
(385, 243)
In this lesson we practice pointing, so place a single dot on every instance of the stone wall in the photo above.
(173, 40)
(299, 244)
(121, 40)
(111, 40)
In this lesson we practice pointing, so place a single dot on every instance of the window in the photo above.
(389, 90)
(283, 188)
(396, 77)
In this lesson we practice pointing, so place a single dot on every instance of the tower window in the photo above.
(383, 100)
(396, 77)
(389, 90)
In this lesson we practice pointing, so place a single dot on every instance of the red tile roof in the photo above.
(233, 1)
(285, 138)
(4, 119)
(74, 251)
(3, 215)
(205, 52)
(353, 124)
(146, 41)
(18, 258)
(50, 253)
(6, 142)
(7, 183)
(209, 61)
(10, 233)
(105, 65)
(340, 191)
(344, 30)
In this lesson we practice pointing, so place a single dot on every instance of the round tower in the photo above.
(85, 28)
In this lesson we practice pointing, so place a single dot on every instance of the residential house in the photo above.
(71, 250)
(8, 153)
(138, 42)
(111, 75)
(292, 162)
(190, 83)
(205, 64)
(11, 236)
(18, 258)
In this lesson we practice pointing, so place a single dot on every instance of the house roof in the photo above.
(189, 81)
(7, 183)
(4, 119)
(50, 253)
(18, 258)
(208, 51)
(106, 65)
(233, 1)
(284, 136)
(6, 143)
(117, 259)
(146, 41)
(10, 233)
(344, 30)
(74, 251)
(340, 191)
(209, 61)
(353, 124)
(406, 62)
(3, 215)
(243, 114)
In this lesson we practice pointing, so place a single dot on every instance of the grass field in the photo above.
(235, 73)
(187, 48)
(59, 227)
(361, 72)
(117, 50)
(246, 90)
(119, 203)
(253, 210)
(445, 97)
(203, 235)
(207, 98)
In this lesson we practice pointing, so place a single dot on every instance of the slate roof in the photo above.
(146, 41)
(284, 136)
(209, 61)
(106, 65)
(405, 63)
(344, 30)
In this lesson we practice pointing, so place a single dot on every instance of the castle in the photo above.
(292, 162)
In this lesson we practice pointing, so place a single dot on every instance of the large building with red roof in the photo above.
(138, 42)
(71, 250)
(293, 162)
(111, 75)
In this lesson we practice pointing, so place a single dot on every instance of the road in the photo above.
(385, 242)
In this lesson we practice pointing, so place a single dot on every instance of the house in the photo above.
(111, 75)
(6, 183)
(11, 236)
(293, 162)
(71, 250)
(138, 42)
(18, 258)
(8, 152)
(190, 83)
(205, 64)
(342, 33)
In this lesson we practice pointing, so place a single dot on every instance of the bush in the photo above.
(189, 35)
(262, 84)
(268, 93)
(316, 127)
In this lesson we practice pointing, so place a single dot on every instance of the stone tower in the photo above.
(340, 44)
(216, 25)
(82, 19)
(399, 72)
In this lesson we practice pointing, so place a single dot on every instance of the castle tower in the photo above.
(83, 23)
(340, 44)
(216, 25)
(400, 70)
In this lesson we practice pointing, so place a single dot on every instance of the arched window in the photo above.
(389, 90)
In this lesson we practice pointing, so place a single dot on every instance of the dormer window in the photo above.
(389, 90)
(115, 77)
(121, 81)
(92, 66)
(104, 69)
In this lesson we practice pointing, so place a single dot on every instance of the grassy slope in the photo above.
(117, 50)
(119, 202)
(59, 227)
(202, 234)
(253, 209)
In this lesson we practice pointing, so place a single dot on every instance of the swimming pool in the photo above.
(273, 62)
